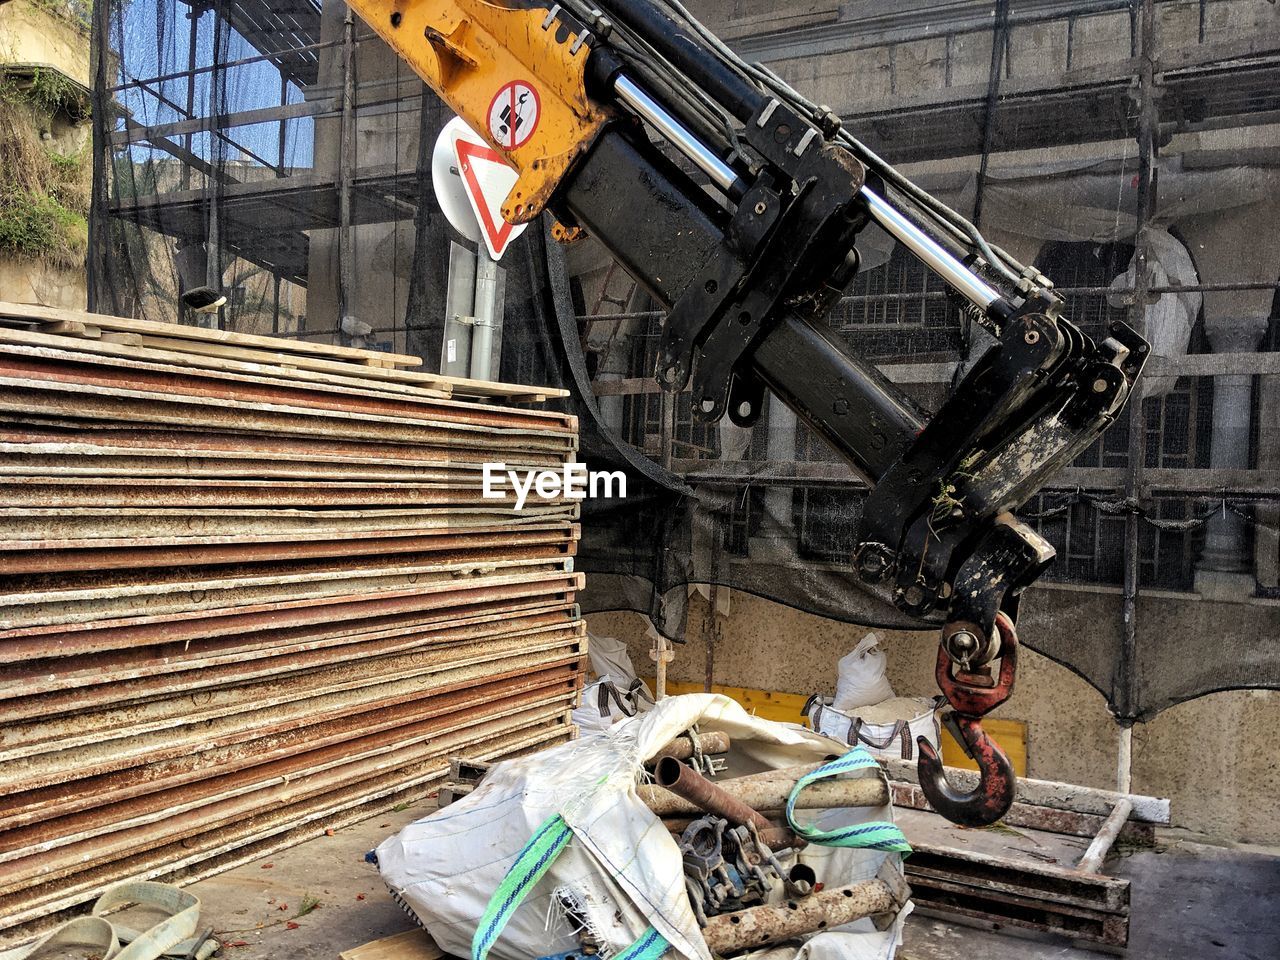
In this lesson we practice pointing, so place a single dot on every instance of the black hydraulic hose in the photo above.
(688, 54)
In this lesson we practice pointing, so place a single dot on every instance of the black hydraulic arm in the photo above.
(748, 256)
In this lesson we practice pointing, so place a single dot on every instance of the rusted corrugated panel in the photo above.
(93, 792)
(198, 598)
(234, 612)
(254, 654)
(24, 397)
(65, 845)
(96, 440)
(51, 559)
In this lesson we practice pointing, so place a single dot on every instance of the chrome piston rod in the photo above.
(934, 255)
(721, 174)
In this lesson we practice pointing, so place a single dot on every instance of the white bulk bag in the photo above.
(608, 700)
(886, 729)
(861, 680)
(621, 869)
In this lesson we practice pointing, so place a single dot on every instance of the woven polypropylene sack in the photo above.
(621, 871)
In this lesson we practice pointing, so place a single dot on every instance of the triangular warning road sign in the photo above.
(488, 180)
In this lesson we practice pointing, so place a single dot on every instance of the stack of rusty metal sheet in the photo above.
(246, 598)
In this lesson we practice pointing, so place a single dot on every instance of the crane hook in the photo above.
(992, 797)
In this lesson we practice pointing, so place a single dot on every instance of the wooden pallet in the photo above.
(247, 354)
(1040, 868)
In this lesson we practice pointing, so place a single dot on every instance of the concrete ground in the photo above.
(1188, 900)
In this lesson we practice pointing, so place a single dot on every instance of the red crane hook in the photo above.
(971, 699)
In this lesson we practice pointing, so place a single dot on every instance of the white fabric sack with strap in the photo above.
(621, 869)
(608, 700)
(888, 729)
(861, 680)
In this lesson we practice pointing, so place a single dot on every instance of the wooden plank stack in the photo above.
(250, 590)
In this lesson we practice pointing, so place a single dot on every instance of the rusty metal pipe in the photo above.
(681, 747)
(801, 880)
(759, 926)
(767, 796)
(685, 782)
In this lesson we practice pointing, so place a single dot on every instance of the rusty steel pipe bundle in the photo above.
(251, 589)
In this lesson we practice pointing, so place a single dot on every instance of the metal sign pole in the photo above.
(470, 181)
(486, 333)
(460, 302)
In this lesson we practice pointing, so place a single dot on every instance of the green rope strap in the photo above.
(547, 843)
(874, 835)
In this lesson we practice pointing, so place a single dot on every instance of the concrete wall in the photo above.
(864, 55)
(1212, 757)
(32, 36)
(40, 283)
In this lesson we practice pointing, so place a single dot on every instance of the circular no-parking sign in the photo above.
(514, 114)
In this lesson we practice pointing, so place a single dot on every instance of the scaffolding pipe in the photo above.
(224, 65)
(194, 19)
(1147, 127)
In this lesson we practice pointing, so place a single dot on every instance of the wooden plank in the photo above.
(255, 355)
(180, 331)
(1007, 895)
(910, 797)
(933, 899)
(74, 328)
(410, 945)
(369, 371)
(1026, 862)
(279, 352)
